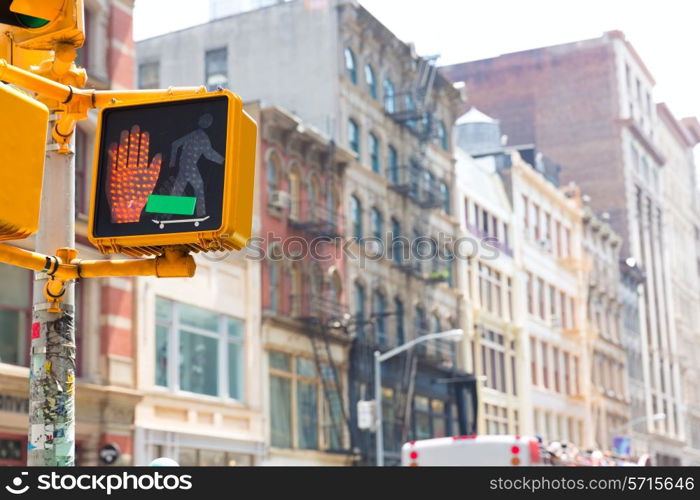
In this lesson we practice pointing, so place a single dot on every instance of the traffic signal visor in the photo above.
(40, 24)
(173, 171)
(23, 125)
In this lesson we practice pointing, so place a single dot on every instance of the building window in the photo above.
(354, 136)
(198, 351)
(443, 139)
(301, 415)
(410, 107)
(533, 360)
(216, 69)
(555, 360)
(371, 81)
(393, 163)
(445, 194)
(380, 319)
(360, 305)
(273, 174)
(497, 358)
(350, 66)
(545, 364)
(430, 418)
(15, 314)
(377, 224)
(398, 310)
(496, 418)
(374, 152)
(149, 75)
(396, 244)
(490, 289)
(356, 215)
(295, 193)
(421, 324)
(273, 269)
(389, 96)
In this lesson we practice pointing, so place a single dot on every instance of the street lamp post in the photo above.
(378, 359)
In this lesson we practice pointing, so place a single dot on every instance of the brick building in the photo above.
(300, 179)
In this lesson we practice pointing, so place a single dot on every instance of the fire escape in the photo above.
(414, 108)
(318, 306)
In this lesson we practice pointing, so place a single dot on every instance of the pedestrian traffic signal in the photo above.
(173, 171)
(23, 122)
(40, 24)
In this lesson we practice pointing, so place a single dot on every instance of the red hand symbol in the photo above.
(130, 178)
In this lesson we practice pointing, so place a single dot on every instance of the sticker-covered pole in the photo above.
(52, 364)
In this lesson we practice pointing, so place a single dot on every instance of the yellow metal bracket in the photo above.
(174, 262)
(59, 84)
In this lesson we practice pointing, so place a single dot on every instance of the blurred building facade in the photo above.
(608, 398)
(353, 81)
(300, 180)
(489, 274)
(676, 140)
(589, 106)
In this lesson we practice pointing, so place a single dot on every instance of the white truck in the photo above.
(498, 450)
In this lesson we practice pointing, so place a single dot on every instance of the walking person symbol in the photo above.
(194, 145)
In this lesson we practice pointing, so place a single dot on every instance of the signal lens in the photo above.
(31, 22)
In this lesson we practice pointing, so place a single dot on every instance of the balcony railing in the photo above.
(316, 308)
(417, 184)
(492, 240)
(430, 271)
(317, 220)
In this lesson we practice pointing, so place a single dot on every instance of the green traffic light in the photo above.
(31, 21)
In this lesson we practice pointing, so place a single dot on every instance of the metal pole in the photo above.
(52, 363)
(379, 434)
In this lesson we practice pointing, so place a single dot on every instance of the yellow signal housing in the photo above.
(24, 124)
(173, 171)
(41, 24)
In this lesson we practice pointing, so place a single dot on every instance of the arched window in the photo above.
(350, 66)
(294, 193)
(273, 173)
(371, 81)
(374, 152)
(379, 308)
(377, 224)
(393, 165)
(354, 136)
(399, 314)
(389, 96)
(445, 195)
(331, 202)
(356, 217)
(397, 249)
(442, 136)
(314, 195)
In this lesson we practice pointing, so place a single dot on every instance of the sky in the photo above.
(666, 33)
